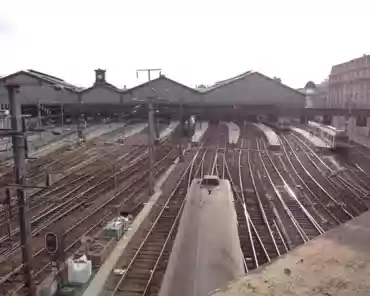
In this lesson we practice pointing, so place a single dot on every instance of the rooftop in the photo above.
(50, 79)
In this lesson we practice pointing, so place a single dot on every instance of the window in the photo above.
(361, 121)
(210, 182)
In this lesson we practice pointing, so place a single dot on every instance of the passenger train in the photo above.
(189, 127)
(333, 137)
(207, 237)
(281, 124)
(213, 185)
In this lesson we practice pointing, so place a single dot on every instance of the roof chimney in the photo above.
(99, 76)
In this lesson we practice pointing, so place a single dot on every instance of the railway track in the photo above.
(77, 180)
(258, 243)
(146, 267)
(260, 237)
(85, 224)
(281, 201)
(353, 162)
(344, 177)
(76, 161)
(53, 209)
(327, 203)
(64, 157)
(304, 221)
(134, 175)
(337, 186)
(45, 201)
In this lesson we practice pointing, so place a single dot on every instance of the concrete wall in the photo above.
(255, 89)
(101, 95)
(166, 89)
(32, 91)
(340, 122)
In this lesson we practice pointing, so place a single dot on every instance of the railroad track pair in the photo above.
(47, 201)
(146, 265)
(86, 224)
(271, 220)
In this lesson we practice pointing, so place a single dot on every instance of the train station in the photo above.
(242, 187)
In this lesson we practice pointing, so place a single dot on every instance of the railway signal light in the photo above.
(48, 181)
(51, 242)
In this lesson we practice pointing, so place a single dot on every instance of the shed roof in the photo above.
(53, 80)
(105, 85)
(162, 77)
(42, 77)
(247, 74)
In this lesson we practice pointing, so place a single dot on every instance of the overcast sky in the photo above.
(193, 41)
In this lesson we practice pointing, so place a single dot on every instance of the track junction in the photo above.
(283, 198)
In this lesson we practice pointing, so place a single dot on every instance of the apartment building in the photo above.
(349, 84)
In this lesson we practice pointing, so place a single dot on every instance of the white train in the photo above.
(206, 253)
(333, 137)
(282, 123)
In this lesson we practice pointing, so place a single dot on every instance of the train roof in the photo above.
(327, 128)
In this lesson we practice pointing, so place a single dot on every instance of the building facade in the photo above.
(316, 94)
(349, 84)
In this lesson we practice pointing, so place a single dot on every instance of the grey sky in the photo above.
(192, 41)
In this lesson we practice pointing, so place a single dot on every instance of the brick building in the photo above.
(349, 84)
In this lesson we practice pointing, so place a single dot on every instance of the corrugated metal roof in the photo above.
(53, 79)
(225, 82)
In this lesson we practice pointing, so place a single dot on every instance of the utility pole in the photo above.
(79, 131)
(39, 123)
(181, 119)
(151, 146)
(149, 71)
(20, 181)
(62, 114)
(151, 133)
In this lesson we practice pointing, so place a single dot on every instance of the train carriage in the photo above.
(207, 238)
(335, 138)
(282, 124)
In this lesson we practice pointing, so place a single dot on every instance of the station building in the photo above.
(247, 89)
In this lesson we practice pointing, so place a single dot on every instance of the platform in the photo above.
(52, 143)
(359, 139)
(129, 131)
(336, 263)
(132, 130)
(234, 132)
(97, 283)
(271, 136)
(316, 141)
(199, 131)
(168, 130)
(206, 252)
